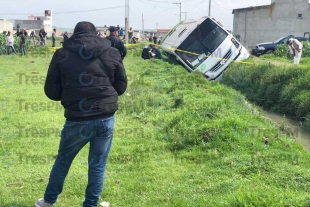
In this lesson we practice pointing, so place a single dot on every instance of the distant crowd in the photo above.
(39, 40)
(121, 34)
(116, 37)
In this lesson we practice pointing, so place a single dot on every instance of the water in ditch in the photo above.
(302, 136)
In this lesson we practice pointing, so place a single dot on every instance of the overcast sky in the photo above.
(161, 14)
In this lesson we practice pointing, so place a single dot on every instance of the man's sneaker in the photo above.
(41, 203)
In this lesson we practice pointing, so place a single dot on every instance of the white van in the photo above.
(203, 45)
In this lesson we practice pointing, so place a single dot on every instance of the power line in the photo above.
(221, 6)
(180, 4)
(90, 10)
(155, 15)
(193, 1)
(68, 12)
(156, 5)
(166, 2)
(196, 5)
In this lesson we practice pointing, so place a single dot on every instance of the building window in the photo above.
(299, 16)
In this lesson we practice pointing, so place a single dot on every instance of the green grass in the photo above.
(179, 141)
(275, 58)
(280, 88)
(304, 61)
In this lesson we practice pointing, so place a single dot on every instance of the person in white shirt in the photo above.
(295, 49)
(10, 43)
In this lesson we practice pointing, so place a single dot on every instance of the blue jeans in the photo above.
(74, 136)
(53, 42)
(13, 49)
(22, 49)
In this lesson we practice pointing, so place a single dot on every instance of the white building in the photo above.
(6, 25)
(270, 21)
(47, 20)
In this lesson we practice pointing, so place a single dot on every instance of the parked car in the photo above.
(203, 45)
(270, 47)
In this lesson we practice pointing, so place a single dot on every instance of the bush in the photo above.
(284, 52)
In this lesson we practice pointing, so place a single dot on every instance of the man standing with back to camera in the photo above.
(117, 42)
(87, 75)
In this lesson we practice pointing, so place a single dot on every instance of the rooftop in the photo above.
(261, 3)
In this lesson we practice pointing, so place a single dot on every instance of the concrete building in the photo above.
(28, 24)
(160, 33)
(103, 29)
(269, 22)
(36, 23)
(47, 18)
(6, 25)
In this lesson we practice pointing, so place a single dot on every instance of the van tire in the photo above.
(269, 51)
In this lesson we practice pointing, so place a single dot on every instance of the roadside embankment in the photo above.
(281, 89)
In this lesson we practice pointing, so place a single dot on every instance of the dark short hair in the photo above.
(85, 27)
(54, 30)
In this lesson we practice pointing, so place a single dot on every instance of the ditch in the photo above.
(301, 135)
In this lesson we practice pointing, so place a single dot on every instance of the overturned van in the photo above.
(203, 45)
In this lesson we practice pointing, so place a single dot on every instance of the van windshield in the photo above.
(204, 40)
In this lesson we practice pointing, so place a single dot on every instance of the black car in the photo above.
(266, 48)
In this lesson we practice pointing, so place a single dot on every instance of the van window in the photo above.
(204, 40)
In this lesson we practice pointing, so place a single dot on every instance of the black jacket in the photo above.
(66, 37)
(146, 53)
(87, 75)
(118, 44)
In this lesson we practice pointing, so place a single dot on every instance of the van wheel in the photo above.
(269, 51)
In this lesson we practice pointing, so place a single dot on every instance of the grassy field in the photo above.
(304, 61)
(179, 141)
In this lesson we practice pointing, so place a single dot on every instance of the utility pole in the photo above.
(126, 19)
(143, 27)
(180, 4)
(185, 15)
(156, 25)
(209, 8)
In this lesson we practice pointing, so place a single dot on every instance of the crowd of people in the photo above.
(116, 37)
(9, 41)
(39, 40)
(154, 38)
(121, 34)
